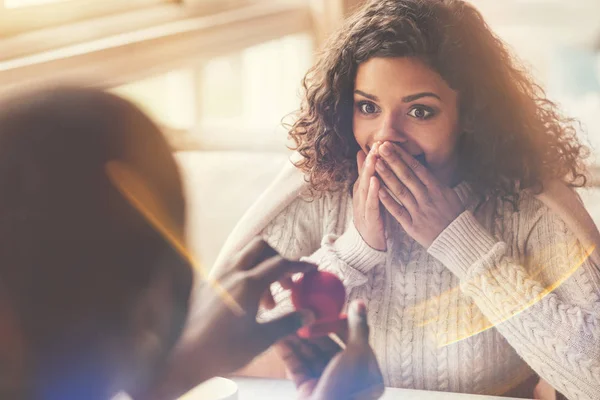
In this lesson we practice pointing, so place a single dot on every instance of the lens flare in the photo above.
(139, 194)
(421, 307)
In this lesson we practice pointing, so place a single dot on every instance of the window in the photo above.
(574, 82)
(23, 16)
(234, 101)
(555, 40)
(163, 38)
(25, 3)
(204, 69)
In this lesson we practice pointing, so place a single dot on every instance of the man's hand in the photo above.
(219, 339)
(322, 370)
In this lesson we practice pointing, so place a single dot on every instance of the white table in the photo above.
(278, 389)
(274, 389)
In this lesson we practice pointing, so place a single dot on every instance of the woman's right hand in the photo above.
(368, 218)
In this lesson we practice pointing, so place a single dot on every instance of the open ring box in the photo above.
(324, 294)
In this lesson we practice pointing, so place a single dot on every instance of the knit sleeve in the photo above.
(544, 298)
(322, 232)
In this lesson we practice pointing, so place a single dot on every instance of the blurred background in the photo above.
(221, 75)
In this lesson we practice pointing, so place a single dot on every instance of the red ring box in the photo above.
(324, 294)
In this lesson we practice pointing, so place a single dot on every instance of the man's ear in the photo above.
(150, 317)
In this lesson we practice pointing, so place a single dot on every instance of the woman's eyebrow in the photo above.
(406, 99)
(416, 96)
(367, 95)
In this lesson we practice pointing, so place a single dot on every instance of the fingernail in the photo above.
(382, 193)
(307, 317)
(385, 149)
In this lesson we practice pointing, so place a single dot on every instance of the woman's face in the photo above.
(404, 101)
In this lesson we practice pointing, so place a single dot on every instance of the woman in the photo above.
(432, 175)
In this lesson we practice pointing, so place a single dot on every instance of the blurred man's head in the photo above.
(98, 296)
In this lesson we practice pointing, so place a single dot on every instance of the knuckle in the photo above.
(392, 162)
(250, 277)
(279, 260)
(273, 263)
(385, 168)
(403, 191)
(363, 186)
(436, 192)
(239, 279)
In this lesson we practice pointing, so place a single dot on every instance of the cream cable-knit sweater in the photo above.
(432, 310)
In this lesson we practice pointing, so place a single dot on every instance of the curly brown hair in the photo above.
(515, 138)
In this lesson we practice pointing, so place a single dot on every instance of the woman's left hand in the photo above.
(427, 206)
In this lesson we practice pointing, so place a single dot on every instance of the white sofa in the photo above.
(220, 186)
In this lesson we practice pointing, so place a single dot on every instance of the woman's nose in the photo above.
(390, 130)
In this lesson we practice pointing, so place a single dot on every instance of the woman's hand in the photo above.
(427, 207)
(220, 339)
(321, 370)
(368, 218)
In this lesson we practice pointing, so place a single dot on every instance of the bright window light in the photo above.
(27, 3)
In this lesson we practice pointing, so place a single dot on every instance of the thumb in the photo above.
(357, 324)
(275, 330)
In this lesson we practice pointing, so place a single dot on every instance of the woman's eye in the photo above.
(366, 107)
(421, 112)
